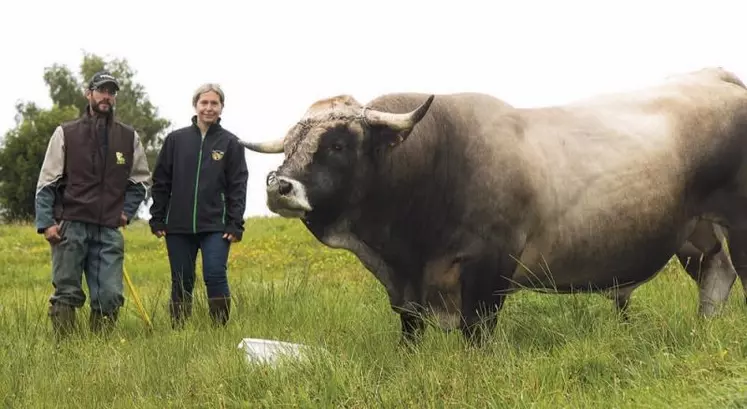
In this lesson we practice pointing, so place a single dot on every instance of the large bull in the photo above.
(456, 201)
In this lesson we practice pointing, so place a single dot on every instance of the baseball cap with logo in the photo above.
(101, 78)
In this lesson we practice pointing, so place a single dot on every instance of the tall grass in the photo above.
(548, 351)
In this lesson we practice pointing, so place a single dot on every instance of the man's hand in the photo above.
(123, 220)
(160, 233)
(230, 237)
(52, 234)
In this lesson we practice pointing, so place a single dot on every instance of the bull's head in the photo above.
(328, 149)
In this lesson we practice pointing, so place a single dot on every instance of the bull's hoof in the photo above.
(708, 310)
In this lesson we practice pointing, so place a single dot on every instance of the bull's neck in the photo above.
(405, 189)
(405, 171)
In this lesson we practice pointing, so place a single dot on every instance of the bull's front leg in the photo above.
(400, 293)
(413, 328)
(483, 291)
(412, 323)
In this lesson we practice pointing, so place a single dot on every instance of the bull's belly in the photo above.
(568, 277)
(593, 266)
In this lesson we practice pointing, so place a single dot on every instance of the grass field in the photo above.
(548, 351)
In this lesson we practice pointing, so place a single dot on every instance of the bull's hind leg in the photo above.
(707, 262)
(716, 278)
(738, 252)
(690, 258)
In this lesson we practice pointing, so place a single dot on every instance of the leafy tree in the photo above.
(22, 153)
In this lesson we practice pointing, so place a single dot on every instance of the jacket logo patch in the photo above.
(217, 155)
(120, 158)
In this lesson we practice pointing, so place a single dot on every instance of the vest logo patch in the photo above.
(120, 158)
(217, 155)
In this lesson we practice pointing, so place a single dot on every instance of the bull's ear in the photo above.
(393, 129)
(390, 138)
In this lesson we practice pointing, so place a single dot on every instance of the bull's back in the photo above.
(612, 176)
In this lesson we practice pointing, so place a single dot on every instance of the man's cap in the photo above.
(101, 78)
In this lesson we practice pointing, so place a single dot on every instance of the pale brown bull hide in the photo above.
(465, 199)
(707, 260)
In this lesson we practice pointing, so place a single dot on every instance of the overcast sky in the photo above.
(274, 60)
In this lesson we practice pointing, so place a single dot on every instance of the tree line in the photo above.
(23, 147)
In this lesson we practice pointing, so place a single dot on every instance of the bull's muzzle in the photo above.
(286, 197)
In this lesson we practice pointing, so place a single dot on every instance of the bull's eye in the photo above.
(336, 147)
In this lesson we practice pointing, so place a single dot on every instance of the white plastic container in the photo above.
(269, 351)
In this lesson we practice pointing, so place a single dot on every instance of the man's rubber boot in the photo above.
(63, 319)
(220, 310)
(102, 323)
(179, 311)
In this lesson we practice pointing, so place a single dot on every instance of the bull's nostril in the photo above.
(284, 187)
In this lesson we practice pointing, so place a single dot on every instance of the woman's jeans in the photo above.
(182, 250)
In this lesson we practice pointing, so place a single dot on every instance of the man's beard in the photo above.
(98, 110)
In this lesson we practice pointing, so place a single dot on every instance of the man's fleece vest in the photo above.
(96, 170)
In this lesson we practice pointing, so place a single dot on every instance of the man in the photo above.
(202, 171)
(93, 179)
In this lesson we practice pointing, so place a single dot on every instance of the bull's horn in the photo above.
(398, 122)
(275, 146)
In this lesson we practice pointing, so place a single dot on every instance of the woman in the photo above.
(199, 197)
